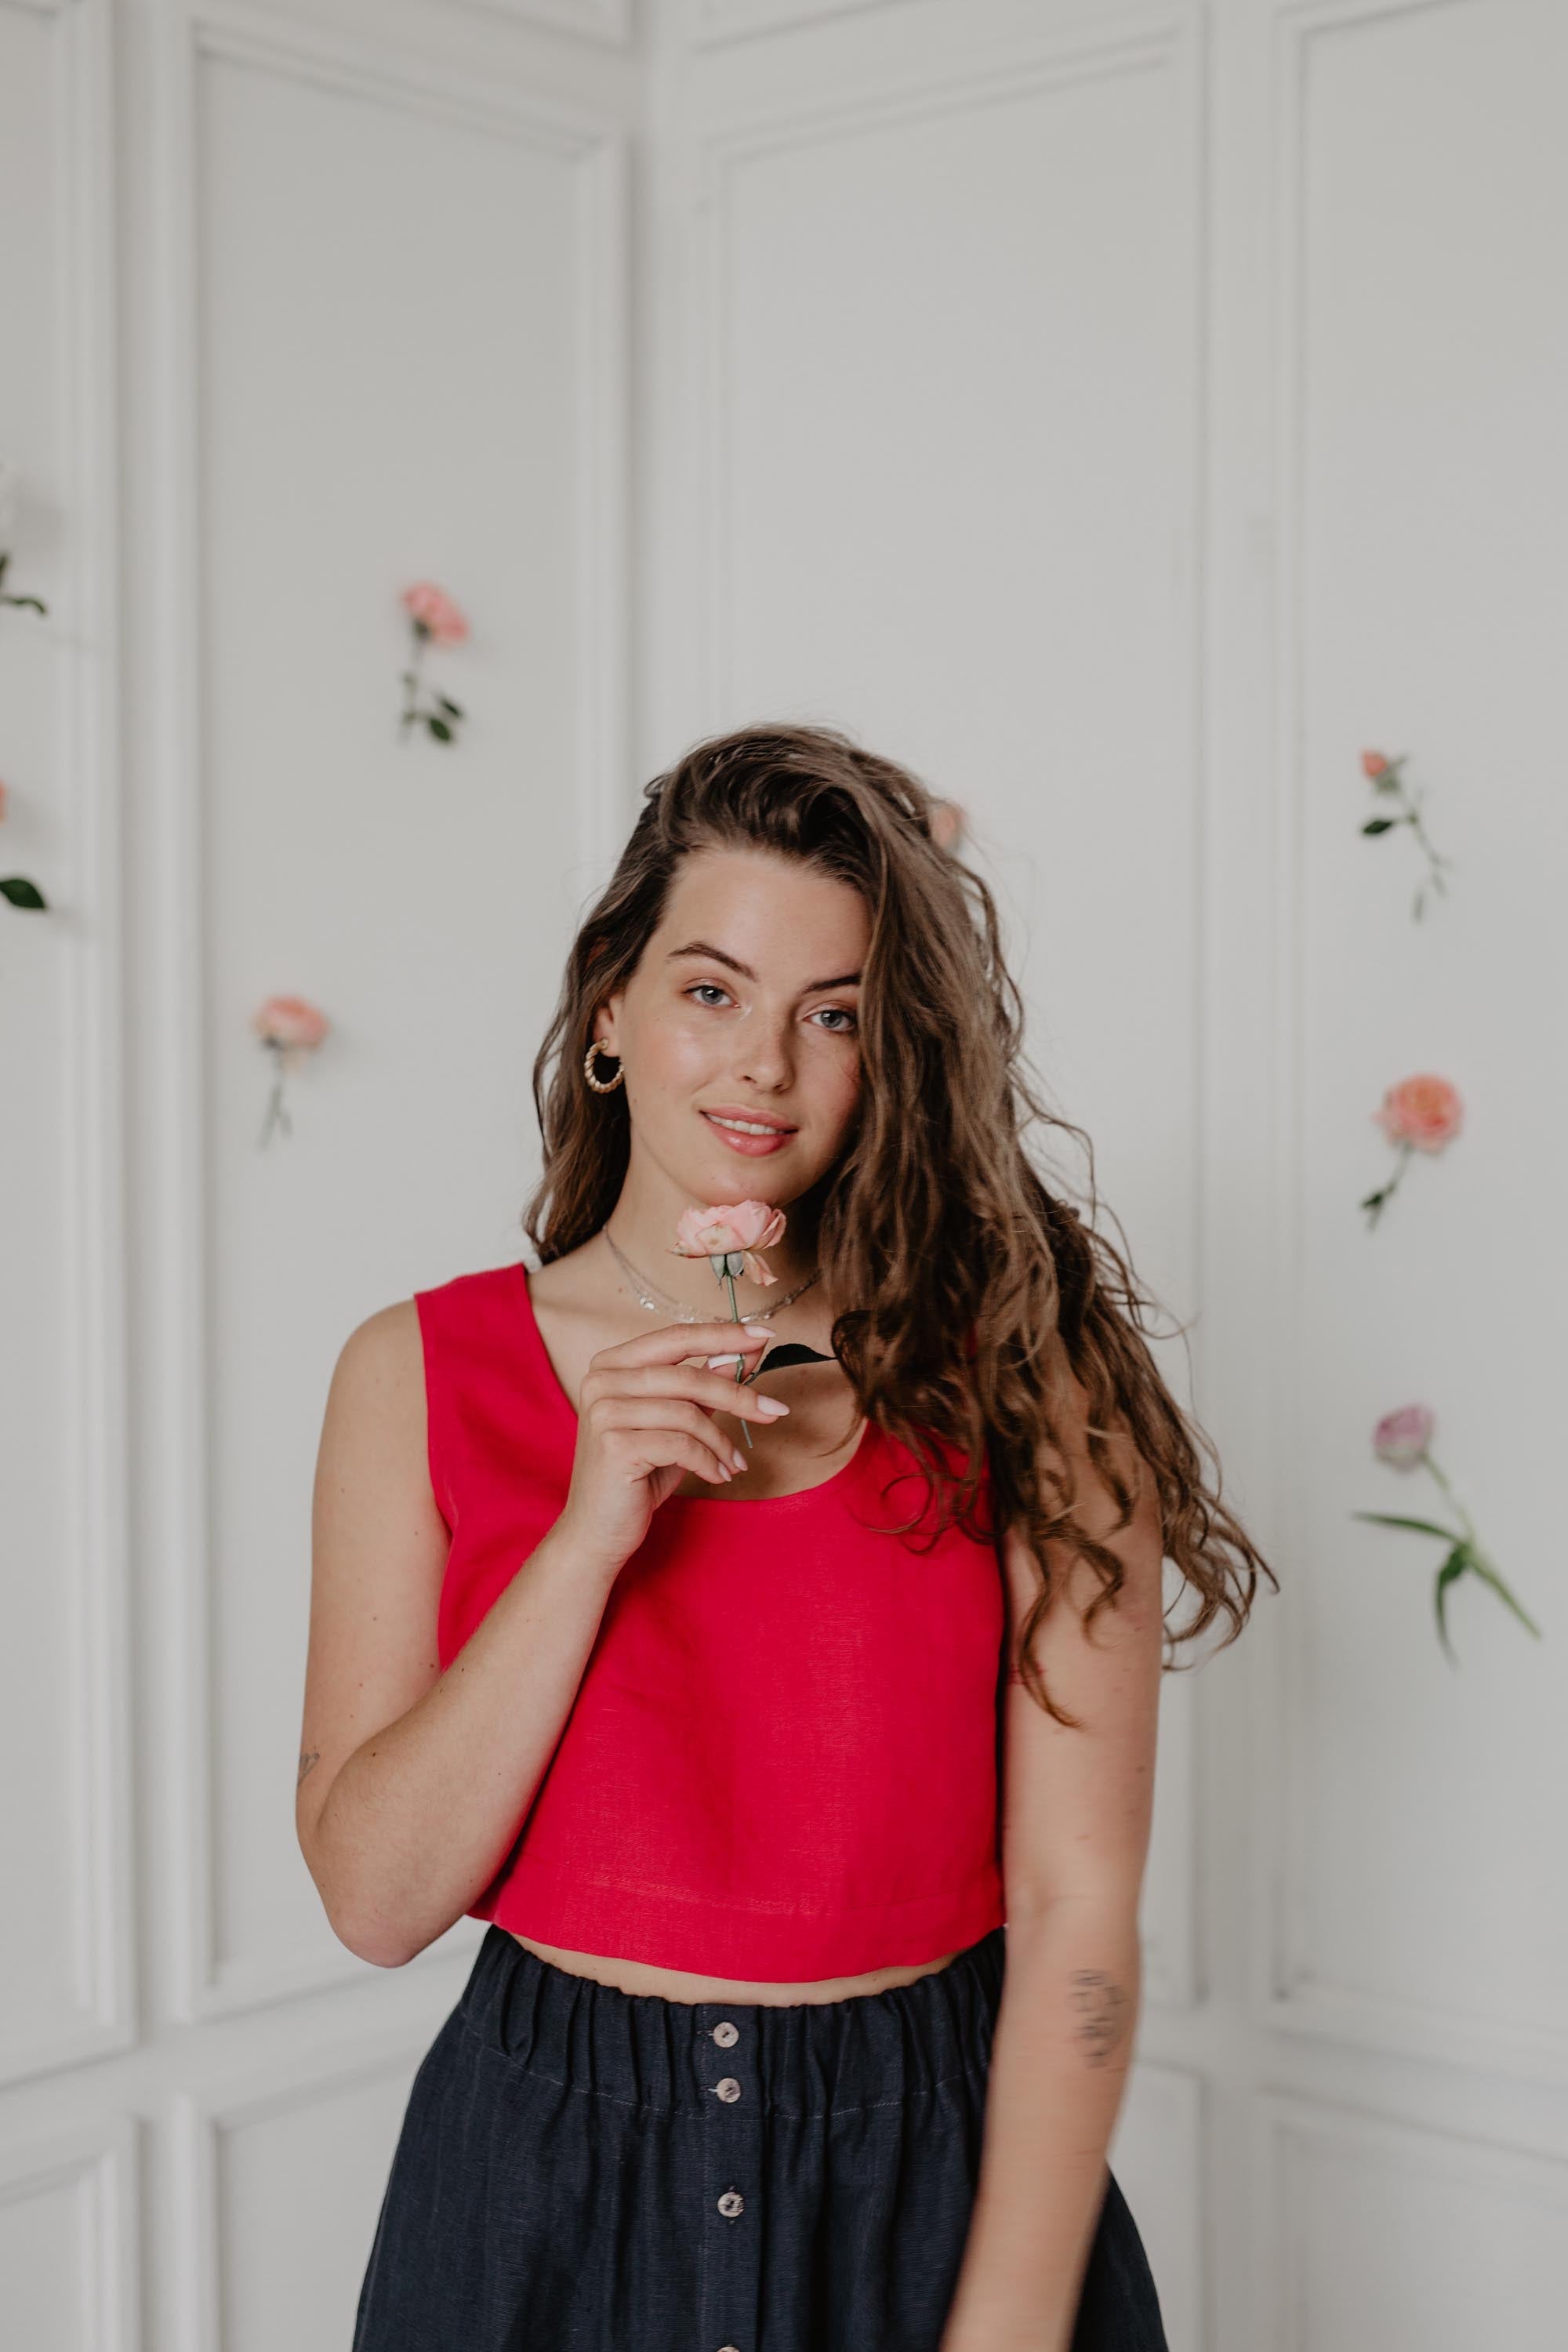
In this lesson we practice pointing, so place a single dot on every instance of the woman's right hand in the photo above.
(645, 1418)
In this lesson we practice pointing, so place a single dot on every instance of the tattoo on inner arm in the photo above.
(309, 1756)
(1101, 2003)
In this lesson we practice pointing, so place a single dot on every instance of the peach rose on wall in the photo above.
(1423, 1113)
(288, 1026)
(433, 619)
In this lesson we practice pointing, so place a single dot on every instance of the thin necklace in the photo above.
(647, 1294)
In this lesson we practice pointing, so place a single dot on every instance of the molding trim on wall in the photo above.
(597, 145)
(1290, 2133)
(95, 1566)
(1167, 44)
(1288, 1998)
(712, 22)
(607, 21)
(198, 2124)
(97, 2168)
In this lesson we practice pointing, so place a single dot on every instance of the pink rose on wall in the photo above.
(433, 619)
(1403, 1439)
(288, 1026)
(1423, 1113)
(1387, 778)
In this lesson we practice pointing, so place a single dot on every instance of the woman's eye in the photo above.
(848, 1016)
(707, 984)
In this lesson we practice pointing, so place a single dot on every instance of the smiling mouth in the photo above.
(747, 1126)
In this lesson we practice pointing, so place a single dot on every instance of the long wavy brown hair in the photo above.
(969, 1278)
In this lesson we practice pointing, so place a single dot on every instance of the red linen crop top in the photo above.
(782, 1760)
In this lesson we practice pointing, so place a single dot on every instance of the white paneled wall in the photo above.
(1125, 414)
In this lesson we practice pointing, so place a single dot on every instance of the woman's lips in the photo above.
(752, 1147)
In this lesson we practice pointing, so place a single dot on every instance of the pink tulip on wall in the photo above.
(288, 1026)
(1423, 1113)
(1403, 1439)
(433, 619)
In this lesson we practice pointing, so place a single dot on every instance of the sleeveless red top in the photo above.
(782, 1760)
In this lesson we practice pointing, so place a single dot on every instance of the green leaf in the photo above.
(1379, 823)
(1392, 1519)
(788, 1351)
(439, 729)
(21, 892)
(1459, 1560)
(456, 709)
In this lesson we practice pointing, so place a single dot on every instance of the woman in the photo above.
(808, 1992)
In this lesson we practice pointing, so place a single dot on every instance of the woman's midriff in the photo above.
(680, 1984)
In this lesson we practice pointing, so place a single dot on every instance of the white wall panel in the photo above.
(299, 2164)
(1425, 381)
(403, 362)
(951, 471)
(65, 1845)
(1381, 2236)
(67, 2242)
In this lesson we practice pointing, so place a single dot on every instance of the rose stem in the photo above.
(739, 1360)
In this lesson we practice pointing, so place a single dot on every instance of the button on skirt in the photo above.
(583, 2169)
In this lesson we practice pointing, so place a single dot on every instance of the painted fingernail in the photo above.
(740, 1461)
(774, 1405)
(716, 1364)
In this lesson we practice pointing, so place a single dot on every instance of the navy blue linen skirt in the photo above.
(583, 2169)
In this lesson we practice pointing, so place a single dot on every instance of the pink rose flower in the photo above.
(1374, 764)
(1423, 1110)
(1401, 1438)
(290, 1022)
(740, 1228)
(431, 609)
(947, 823)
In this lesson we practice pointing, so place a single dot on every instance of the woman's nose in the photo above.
(764, 1058)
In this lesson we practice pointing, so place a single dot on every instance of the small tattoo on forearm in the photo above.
(309, 1757)
(1100, 2003)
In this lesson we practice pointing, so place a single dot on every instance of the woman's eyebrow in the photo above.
(701, 948)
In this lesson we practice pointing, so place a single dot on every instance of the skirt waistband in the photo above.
(800, 2058)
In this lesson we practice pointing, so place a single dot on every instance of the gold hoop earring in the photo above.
(601, 1086)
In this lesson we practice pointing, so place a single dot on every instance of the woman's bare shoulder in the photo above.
(378, 1381)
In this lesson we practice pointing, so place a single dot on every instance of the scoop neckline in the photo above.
(797, 1495)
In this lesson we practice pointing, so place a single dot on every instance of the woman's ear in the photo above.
(602, 1022)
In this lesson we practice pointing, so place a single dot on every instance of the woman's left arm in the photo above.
(1076, 1811)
